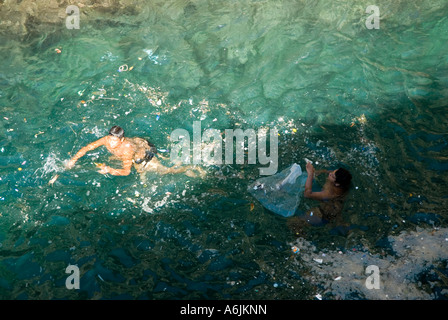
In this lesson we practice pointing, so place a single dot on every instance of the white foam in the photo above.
(51, 164)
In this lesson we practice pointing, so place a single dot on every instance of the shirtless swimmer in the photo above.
(131, 151)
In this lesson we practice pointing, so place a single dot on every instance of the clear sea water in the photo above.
(372, 100)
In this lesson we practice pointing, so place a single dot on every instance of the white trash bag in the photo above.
(280, 193)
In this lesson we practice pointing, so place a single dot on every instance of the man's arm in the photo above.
(126, 170)
(84, 150)
(321, 195)
(317, 172)
(308, 193)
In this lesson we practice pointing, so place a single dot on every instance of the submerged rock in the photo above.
(22, 17)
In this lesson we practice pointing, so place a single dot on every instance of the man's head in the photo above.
(341, 178)
(116, 136)
(116, 131)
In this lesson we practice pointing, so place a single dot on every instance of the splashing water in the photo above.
(51, 164)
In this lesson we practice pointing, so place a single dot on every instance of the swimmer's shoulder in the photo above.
(129, 144)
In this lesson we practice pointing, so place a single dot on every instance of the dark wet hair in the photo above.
(343, 177)
(116, 131)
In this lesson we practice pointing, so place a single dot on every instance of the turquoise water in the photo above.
(374, 101)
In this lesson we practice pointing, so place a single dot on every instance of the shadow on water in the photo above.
(397, 158)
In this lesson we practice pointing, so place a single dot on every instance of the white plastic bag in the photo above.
(280, 193)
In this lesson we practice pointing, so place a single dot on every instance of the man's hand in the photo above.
(103, 168)
(310, 169)
(70, 164)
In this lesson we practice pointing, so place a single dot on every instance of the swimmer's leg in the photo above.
(202, 172)
(178, 168)
(140, 168)
(143, 177)
(300, 224)
(188, 170)
(155, 166)
(314, 217)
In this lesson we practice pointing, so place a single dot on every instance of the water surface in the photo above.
(373, 101)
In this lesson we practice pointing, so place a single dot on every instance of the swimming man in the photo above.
(332, 197)
(131, 151)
